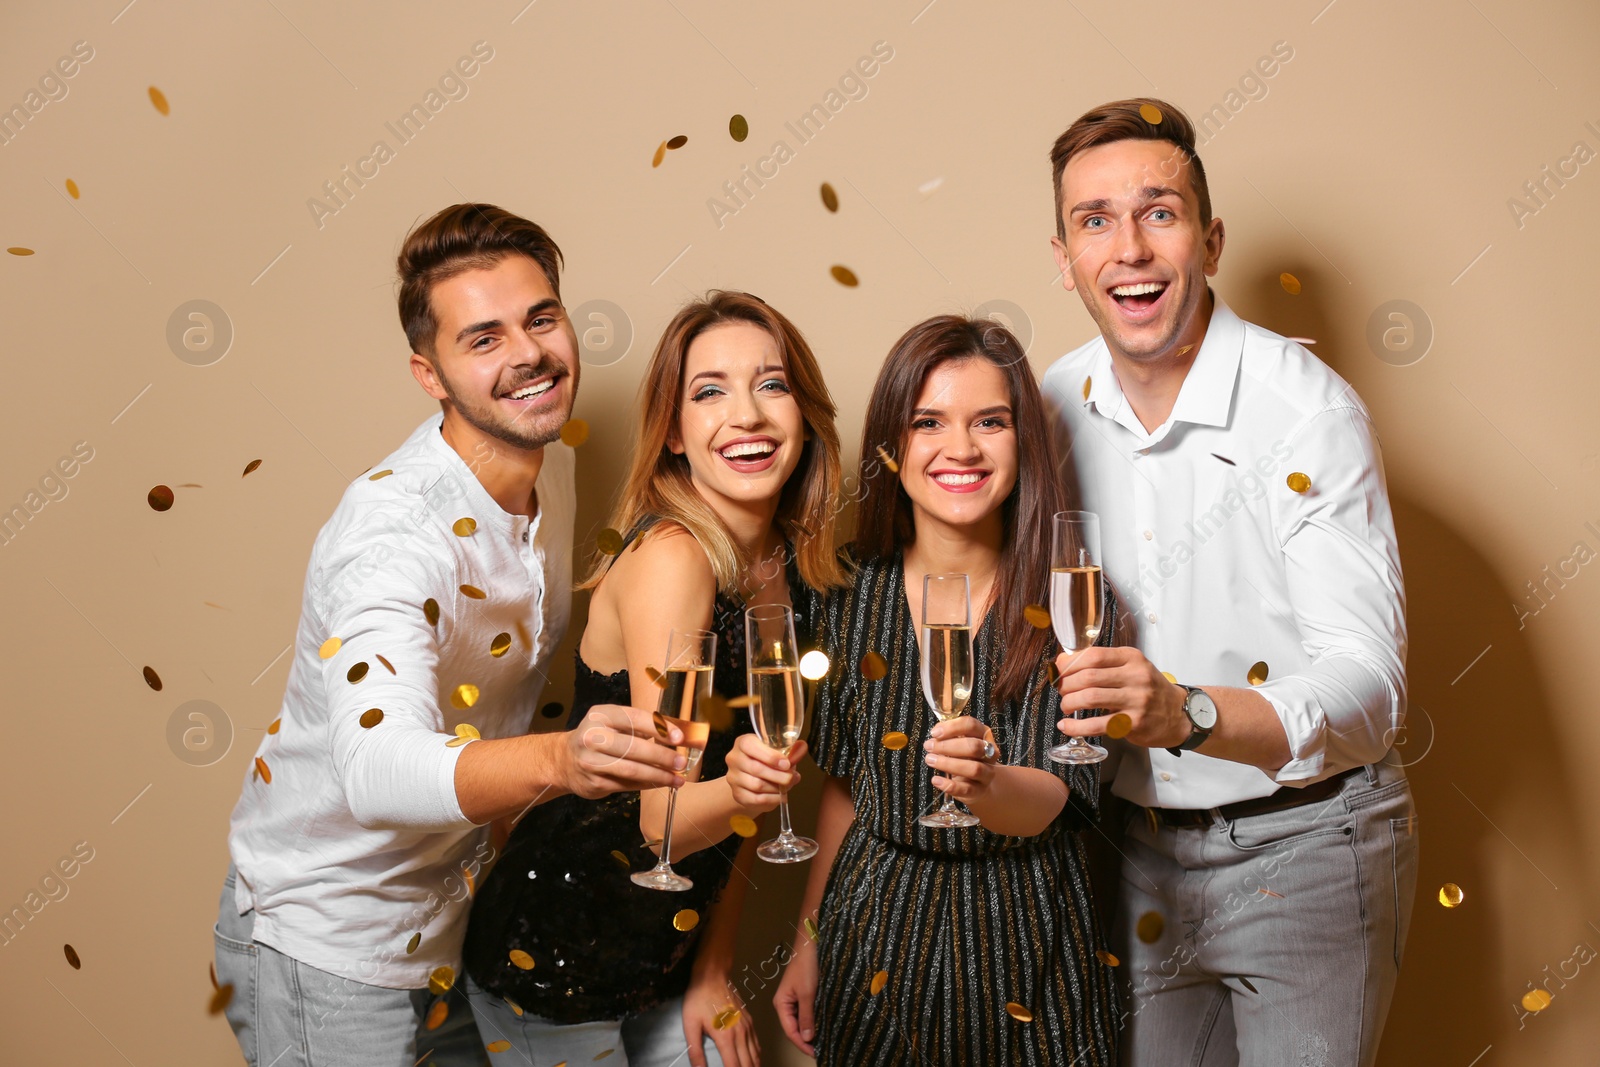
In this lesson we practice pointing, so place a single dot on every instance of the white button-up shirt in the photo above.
(358, 842)
(1223, 566)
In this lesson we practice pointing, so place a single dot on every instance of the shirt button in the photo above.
(1165, 777)
(1149, 535)
(524, 536)
(1150, 615)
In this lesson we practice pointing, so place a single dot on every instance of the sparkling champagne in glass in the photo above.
(947, 669)
(777, 709)
(685, 687)
(1077, 590)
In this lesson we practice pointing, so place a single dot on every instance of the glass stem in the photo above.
(784, 830)
(665, 862)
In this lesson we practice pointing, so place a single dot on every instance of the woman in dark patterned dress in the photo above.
(566, 957)
(949, 946)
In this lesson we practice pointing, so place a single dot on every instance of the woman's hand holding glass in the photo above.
(963, 755)
(759, 775)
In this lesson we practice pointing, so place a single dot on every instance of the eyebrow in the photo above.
(490, 324)
(998, 409)
(719, 376)
(1148, 193)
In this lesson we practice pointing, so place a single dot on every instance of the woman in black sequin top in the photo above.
(729, 502)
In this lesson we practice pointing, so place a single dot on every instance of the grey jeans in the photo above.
(1272, 940)
(285, 1013)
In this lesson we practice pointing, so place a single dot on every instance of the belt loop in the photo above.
(1217, 818)
(1372, 773)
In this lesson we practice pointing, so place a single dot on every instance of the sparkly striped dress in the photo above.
(988, 943)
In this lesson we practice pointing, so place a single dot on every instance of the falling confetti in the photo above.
(1168, 675)
(608, 541)
(844, 276)
(1018, 1012)
(811, 928)
(659, 721)
(1107, 958)
(522, 632)
(371, 717)
(661, 153)
(500, 645)
(358, 672)
(738, 128)
(72, 957)
(160, 498)
(263, 770)
(220, 999)
(718, 715)
(440, 981)
(213, 968)
(873, 667)
(743, 825)
(1257, 674)
(1150, 113)
(464, 732)
(1290, 283)
(473, 592)
(1118, 726)
(726, 1017)
(1224, 459)
(273, 726)
(253, 465)
(330, 647)
(152, 679)
(552, 709)
(677, 142)
(1088, 380)
(657, 677)
(520, 959)
(159, 99)
(438, 1012)
(72, 188)
(830, 199)
(894, 740)
(380, 474)
(746, 701)
(930, 186)
(17, 250)
(514, 1006)
(386, 664)
(888, 460)
(1450, 895)
(622, 859)
(1268, 892)
(1537, 1000)
(575, 432)
(1150, 927)
(1037, 616)
(498, 1046)
(1185, 350)
(879, 980)
(465, 527)
(430, 611)
(1302, 340)
(411, 946)
(598, 1056)
(1298, 482)
(686, 920)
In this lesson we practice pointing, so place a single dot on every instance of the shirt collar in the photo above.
(482, 508)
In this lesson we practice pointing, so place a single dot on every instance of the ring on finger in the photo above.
(989, 751)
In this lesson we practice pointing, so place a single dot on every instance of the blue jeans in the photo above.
(285, 1013)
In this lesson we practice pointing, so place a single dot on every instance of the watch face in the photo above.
(1203, 710)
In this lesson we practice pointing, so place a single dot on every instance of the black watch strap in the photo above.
(1197, 733)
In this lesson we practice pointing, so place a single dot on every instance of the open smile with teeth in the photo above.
(748, 450)
(960, 479)
(532, 390)
(1138, 296)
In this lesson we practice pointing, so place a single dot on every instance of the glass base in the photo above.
(949, 820)
(787, 849)
(1078, 751)
(662, 878)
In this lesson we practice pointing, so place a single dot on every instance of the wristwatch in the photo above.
(1202, 713)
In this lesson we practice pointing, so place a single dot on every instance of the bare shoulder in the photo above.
(666, 560)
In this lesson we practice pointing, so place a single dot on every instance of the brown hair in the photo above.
(460, 238)
(884, 521)
(659, 487)
(1122, 120)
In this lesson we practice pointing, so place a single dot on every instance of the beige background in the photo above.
(1377, 166)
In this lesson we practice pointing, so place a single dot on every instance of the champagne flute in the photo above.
(1077, 590)
(685, 687)
(947, 669)
(772, 664)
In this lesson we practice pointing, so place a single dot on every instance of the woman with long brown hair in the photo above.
(728, 504)
(940, 945)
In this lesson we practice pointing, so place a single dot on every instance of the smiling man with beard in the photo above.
(433, 601)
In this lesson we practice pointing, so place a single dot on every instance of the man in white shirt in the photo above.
(1266, 886)
(434, 598)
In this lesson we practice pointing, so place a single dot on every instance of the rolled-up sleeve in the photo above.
(1348, 600)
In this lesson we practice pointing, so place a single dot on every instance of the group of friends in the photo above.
(418, 875)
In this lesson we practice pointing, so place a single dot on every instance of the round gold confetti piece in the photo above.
(873, 666)
(1107, 958)
(514, 1006)
(500, 645)
(1298, 482)
(464, 733)
(844, 276)
(1018, 1012)
(1088, 380)
(220, 999)
(1537, 1000)
(743, 825)
(661, 153)
(552, 709)
(380, 474)
(1150, 113)
(894, 740)
(830, 199)
(1118, 725)
(411, 946)
(520, 959)
(273, 726)
(440, 981)
(371, 717)
(358, 672)
(718, 715)
(575, 432)
(1168, 675)
(263, 770)
(1290, 283)
(1150, 927)
(498, 1046)
(608, 541)
(656, 677)
(160, 498)
(152, 679)
(686, 920)
(726, 1018)
(1037, 616)
(677, 142)
(72, 188)
(438, 1012)
(19, 251)
(811, 928)
(621, 858)
(879, 980)
(72, 957)
(386, 664)
(1257, 674)
(430, 611)
(465, 527)
(473, 592)
(465, 695)
(159, 99)
(254, 464)
(330, 647)
(738, 127)
(1450, 895)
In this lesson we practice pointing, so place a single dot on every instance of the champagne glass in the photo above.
(947, 669)
(772, 665)
(685, 687)
(1077, 590)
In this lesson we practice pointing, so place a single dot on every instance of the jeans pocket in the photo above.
(1254, 833)
(238, 964)
(1404, 851)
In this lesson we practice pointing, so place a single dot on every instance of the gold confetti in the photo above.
(661, 153)
(1257, 674)
(621, 858)
(1088, 380)
(440, 981)
(656, 677)
(474, 592)
(1037, 617)
(1018, 1012)
(575, 432)
(214, 984)
(1185, 350)
(552, 709)
(522, 632)
(1107, 958)
(844, 276)
(1118, 726)
(72, 188)
(520, 959)
(411, 946)
(72, 957)
(272, 727)
(514, 1006)
(873, 667)
(358, 672)
(220, 1000)
(1150, 113)
(686, 920)
(677, 142)
(726, 1017)
(894, 740)
(718, 715)
(330, 647)
(464, 732)
(1248, 984)
(152, 679)
(254, 464)
(1290, 283)
(465, 527)
(608, 541)
(1268, 892)
(830, 199)
(743, 825)
(430, 611)
(467, 877)
(738, 128)
(659, 721)
(1299, 482)
(159, 99)
(438, 1012)
(498, 1046)
(1537, 1000)
(811, 928)
(160, 498)
(888, 460)
(386, 664)
(371, 717)
(1150, 927)
(1168, 675)
(1450, 895)
(879, 980)
(380, 474)
(263, 770)
(500, 645)
(599, 1056)
(17, 250)
(746, 701)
